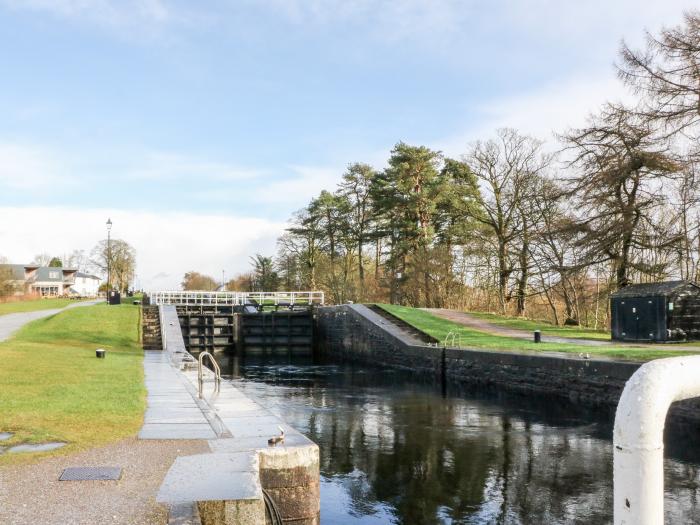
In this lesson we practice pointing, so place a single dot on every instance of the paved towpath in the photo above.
(10, 323)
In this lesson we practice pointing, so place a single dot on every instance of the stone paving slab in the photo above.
(212, 477)
(172, 412)
(176, 431)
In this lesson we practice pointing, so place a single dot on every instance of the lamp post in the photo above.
(109, 257)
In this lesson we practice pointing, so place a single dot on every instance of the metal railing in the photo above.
(163, 331)
(197, 298)
(200, 372)
(453, 338)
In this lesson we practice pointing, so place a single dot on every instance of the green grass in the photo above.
(33, 305)
(470, 338)
(547, 328)
(53, 388)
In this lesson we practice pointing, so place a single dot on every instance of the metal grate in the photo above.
(91, 473)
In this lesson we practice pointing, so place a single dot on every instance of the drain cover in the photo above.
(91, 473)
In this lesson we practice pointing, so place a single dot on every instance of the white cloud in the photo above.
(554, 108)
(170, 166)
(167, 244)
(110, 12)
(128, 19)
(25, 167)
(297, 189)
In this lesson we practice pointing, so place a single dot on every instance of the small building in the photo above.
(656, 312)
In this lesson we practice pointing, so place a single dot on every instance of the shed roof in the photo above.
(653, 289)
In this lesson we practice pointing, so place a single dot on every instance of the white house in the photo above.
(86, 285)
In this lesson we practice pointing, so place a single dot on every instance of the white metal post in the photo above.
(638, 438)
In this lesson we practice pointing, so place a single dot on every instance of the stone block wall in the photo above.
(354, 332)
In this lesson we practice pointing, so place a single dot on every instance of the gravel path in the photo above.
(10, 323)
(32, 494)
(483, 325)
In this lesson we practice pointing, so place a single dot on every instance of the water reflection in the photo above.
(397, 450)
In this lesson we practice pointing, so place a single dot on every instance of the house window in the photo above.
(53, 275)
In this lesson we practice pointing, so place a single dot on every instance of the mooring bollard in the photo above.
(538, 336)
(100, 353)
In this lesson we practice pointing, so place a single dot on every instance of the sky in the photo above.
(200, 127)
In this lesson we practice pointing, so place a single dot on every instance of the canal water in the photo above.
(397, 449)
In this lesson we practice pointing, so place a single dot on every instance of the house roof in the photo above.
(43, 273)
(653, 289)
(87, 276)
(46, 274)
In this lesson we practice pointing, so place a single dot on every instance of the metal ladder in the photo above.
(200, 372)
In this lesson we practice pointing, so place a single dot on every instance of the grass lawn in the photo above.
(547, 328)
(53, 388)
(470, 338)
(33, 305)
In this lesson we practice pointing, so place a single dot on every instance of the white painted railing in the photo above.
(638, 438)
(196, 298)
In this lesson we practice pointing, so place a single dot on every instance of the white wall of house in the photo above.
(86, 286)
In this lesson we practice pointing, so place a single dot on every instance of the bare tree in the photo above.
(197, 281)
(119, 257)
(7, 284)
(667, 73)
(355, 187)
(503, 168)
(622, 167)
(42, 259)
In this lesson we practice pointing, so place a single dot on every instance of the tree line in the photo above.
(510, 226)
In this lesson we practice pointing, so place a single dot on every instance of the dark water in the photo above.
(397, 450)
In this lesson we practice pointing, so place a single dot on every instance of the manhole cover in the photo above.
(91, 473)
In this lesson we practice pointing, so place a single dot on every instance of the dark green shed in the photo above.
(668, 311)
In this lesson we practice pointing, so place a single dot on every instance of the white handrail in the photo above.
(203, 298)
(638, 438)
(163, 331)
(200, 371)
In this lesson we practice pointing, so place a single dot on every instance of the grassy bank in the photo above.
(547, 328)
(470, 338)
(53, 388)
(33, 305)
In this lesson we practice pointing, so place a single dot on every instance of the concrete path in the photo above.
(10, 323)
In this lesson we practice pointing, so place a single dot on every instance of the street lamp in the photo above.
(109, 256)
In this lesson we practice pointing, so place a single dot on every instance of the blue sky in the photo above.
(229, 115)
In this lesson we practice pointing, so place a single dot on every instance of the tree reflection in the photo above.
(395, 445)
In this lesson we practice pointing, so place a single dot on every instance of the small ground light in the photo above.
(100, 353)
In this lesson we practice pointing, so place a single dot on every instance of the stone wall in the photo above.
(355, 332)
